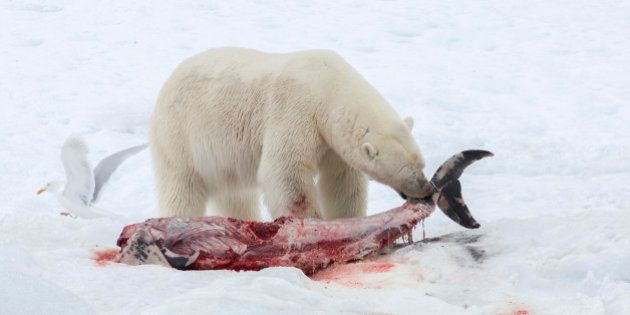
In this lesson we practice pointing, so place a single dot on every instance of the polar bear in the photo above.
(304, 127)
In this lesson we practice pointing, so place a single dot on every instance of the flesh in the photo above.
(206, 243)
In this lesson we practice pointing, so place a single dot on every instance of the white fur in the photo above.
(230, 121)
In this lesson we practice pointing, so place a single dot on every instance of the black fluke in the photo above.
(445, 180)
(452, 204)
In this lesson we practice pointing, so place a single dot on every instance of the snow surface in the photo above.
(545, 85)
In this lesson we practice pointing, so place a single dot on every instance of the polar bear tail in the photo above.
(448, 189)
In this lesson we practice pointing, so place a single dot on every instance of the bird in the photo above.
(84, 185)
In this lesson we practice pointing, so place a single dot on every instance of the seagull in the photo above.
(83, 186)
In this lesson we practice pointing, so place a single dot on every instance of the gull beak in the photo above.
(40, 191)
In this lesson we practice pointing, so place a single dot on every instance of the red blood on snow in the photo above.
(103, 256)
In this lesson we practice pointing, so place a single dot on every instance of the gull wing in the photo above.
(106, 167)
(80, 179)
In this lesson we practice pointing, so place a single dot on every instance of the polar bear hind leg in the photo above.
(342, 189)
(182, 192)
(241, 204)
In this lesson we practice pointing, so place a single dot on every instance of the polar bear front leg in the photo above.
(285, 175)
(342, 189)
(288, 189)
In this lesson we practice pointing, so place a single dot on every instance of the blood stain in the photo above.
(350, 274)
(299, 206)
(371, 268)
(103, 256)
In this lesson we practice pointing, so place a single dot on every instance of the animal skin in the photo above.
(207, 243)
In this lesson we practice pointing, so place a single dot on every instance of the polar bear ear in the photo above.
(369, 150)
(409, 123)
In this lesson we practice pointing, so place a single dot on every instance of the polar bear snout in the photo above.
(417, 187)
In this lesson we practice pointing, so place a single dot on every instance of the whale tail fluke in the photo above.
(449, 189)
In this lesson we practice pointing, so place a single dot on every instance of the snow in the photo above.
(544, 85)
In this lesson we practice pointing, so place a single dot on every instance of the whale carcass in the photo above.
(213, 242)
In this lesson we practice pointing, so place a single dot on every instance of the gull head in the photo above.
(52, 187)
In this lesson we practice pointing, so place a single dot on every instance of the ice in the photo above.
(544, 85)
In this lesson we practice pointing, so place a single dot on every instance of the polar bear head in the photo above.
(391, 156)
